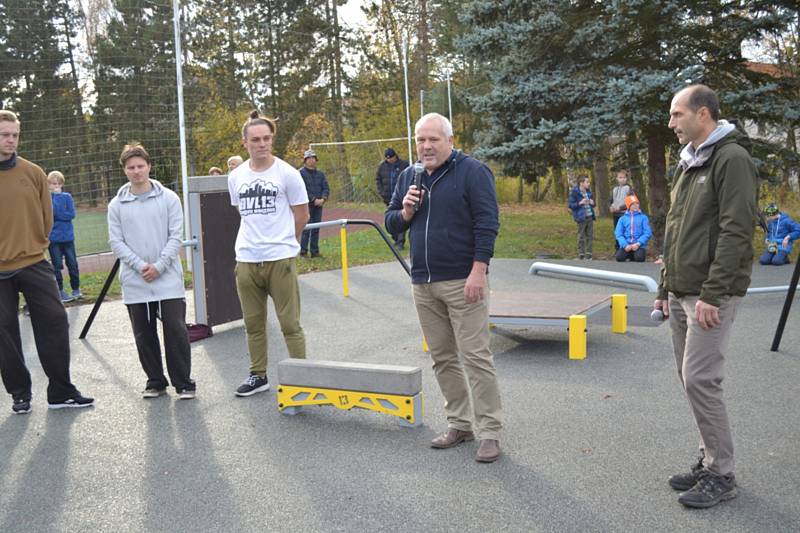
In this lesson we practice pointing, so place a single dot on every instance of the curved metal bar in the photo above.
(365, 222)
(645, 282)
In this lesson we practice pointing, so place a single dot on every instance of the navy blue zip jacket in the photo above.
(579, 211)
(457, 221)
(63, 213)
(316, 184)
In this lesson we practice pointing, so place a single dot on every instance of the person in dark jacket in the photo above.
(582, 206)
(318, 192)
(632, 232)
(782, 231)
(453, 223)
(62, 237)
(386, 181)
(708, 258)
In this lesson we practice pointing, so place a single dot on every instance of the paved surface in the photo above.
(588, 444)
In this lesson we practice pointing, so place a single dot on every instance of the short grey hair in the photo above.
(447, 128)
(236, 158)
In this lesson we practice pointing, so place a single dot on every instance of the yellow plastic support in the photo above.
(619, 313)
(425, 347)
(345, 280)
(577, 337)
(408, 408)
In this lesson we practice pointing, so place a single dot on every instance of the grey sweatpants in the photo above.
(699, 354)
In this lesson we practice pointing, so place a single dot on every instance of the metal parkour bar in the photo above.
(193, 243)
(645, 282)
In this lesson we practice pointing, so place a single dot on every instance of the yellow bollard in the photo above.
(345, 281)
(577, 337)
(619, 313)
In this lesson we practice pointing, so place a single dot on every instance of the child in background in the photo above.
(618, 194)
(781, 232)
(582, 206)
(62, 237)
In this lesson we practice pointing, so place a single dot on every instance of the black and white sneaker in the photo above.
(75, 401)
(252, 385)
(21, 406)
(152, 392)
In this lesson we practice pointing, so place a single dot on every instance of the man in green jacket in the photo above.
(708, 256)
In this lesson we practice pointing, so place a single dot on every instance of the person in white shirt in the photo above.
(273, 205)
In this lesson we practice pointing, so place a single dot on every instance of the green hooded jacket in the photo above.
(708, 240)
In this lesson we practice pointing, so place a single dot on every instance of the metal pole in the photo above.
(176, 23)
(408, 105)
(449, 102)
(99, 301)
(787, 306)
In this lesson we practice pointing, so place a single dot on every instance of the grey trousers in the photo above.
(585, 238)
(699, 355)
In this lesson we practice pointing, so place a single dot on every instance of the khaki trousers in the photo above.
(254, 283)
(458, 337)
(700, 358)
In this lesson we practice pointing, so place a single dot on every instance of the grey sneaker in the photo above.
(152, 392)
(252, 385)
(687, 480)
(709, 490)
(77, 294)
(65, 298)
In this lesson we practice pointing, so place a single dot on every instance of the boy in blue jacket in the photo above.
(781, 232)
(62, 237)
(582, 206)
(632, 232)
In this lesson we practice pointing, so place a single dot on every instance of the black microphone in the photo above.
(418, 170)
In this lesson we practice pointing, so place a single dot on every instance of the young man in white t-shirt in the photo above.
(273, 204)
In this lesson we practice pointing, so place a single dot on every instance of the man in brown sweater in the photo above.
(26, 218)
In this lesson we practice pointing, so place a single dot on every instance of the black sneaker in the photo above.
(689, 479)
(21, 406)
(709, 490)
(75, 401)
(252, 385)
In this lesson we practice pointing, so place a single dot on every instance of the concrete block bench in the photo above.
(390, 389)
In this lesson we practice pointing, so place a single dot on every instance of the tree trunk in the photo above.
(543, 192)
(634, 164)
(558, 175)
(657, 186)
(336, 101)
(601, 188)
(520, 189)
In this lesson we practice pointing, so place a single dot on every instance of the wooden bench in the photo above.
(556, 309)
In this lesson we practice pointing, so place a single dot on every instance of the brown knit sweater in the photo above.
(26, 215)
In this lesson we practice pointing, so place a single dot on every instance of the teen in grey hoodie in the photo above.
(145, 223)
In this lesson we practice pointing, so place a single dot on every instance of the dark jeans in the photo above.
(315, 215)
(639, 255)
(50, 333)
(616, 216)
(61, 252)
(777, 259)
(176, 342)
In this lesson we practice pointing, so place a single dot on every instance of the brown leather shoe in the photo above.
(488, 451)
(453, 437)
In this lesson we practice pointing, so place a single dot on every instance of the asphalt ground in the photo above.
(588, 445)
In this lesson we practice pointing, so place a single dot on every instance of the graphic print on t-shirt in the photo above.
(257, 198)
